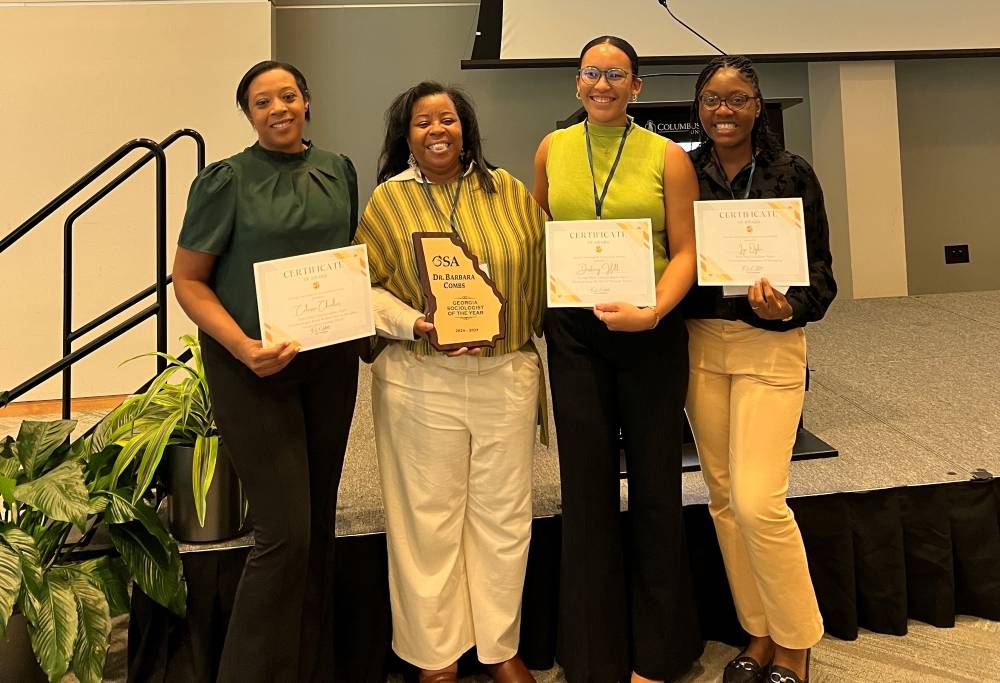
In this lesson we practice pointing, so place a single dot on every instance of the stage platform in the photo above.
(906, 389)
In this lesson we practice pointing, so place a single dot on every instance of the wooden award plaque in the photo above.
(460, 299)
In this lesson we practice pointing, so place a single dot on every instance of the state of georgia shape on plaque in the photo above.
(460, 299)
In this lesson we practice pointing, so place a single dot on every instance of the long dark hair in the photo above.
(395, 153)
(243, 89)
(762, 138)
(621, 44)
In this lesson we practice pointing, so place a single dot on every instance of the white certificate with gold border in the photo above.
(740, 241)
(315, 299)
(599, 262)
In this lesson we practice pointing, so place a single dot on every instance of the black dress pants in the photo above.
(286, 435)
(626, 600)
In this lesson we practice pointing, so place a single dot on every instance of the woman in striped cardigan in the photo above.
(455, 432)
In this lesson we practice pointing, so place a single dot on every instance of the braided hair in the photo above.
(762, 138)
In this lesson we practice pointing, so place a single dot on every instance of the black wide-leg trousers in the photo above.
(286, 435)
(626, 600)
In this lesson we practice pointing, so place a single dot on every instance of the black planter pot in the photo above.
(222, 506)
(17, 659)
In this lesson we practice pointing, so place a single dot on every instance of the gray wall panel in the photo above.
(950, 143)
(358, 59)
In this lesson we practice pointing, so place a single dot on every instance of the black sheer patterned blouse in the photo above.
(777, 175)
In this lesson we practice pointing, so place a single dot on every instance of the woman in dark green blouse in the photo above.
(283, 416)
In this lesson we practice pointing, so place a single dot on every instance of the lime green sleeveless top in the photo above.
(636, 190)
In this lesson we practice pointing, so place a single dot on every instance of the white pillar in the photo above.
(855, 130)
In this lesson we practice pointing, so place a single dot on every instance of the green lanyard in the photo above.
(599, 201)
(452, 221)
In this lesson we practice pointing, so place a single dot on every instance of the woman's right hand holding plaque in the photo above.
(462, 304)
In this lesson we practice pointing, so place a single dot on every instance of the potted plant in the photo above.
(63, 592)
(170, 428)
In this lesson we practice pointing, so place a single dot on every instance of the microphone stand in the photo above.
(705, 40)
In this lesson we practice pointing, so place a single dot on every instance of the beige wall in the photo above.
(874, 182)
(79, 80)
(856, 153)
(950, 146)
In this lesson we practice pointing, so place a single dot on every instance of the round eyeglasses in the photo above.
(591, 75)
(735, 102)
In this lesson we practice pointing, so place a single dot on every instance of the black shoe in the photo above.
(744, 669)
(779, 674)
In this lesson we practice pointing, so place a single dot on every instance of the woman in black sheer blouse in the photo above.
(747, 382)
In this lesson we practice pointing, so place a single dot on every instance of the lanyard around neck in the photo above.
(729, 185)
(599, 201)
(452, 221)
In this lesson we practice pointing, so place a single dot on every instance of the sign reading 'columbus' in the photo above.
(460, 299)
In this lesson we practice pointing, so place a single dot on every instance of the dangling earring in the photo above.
(411, 161)
(577, 94)
(635, 97)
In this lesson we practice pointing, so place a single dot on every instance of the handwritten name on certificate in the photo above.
(315, 299)
(741, 241)
(599, 262)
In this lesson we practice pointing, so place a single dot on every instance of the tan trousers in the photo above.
(455, 439)
(744, 402)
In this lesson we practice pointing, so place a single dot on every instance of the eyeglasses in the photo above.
(591, 75)
(735, 102)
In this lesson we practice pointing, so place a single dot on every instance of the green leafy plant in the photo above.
(167, 413)
(50, 487)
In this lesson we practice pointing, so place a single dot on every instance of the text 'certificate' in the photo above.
(599, 262)
(740, 241)
(315, 299)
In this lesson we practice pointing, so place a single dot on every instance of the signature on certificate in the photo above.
(748, 248)
(599, 268)
(313, 307)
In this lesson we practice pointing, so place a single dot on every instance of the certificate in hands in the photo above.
(740, 241)
(598, 262)
(315, 299)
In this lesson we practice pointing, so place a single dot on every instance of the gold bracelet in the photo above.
(656, 318)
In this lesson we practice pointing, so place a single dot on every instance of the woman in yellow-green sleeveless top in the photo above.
(626, 604)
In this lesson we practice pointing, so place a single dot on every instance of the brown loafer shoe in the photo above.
(446, 676)
(511, 671)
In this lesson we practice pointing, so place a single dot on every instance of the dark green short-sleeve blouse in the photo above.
(260, 205)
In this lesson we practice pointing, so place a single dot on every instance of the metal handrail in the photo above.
(159, 309)
(92, 175)
(162, 279)
(82, 352)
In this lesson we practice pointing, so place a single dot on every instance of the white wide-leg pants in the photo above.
(455, 439)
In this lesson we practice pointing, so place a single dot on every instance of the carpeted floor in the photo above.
(968, 653)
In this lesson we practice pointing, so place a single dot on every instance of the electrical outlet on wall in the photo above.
(956, 253)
